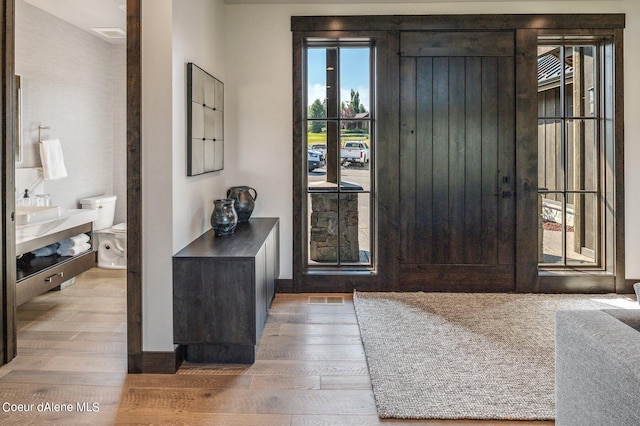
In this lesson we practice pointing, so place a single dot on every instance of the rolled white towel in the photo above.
(74, 250)
(74, 241)
(80, 238)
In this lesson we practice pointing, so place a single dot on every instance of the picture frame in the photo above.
(205, 122)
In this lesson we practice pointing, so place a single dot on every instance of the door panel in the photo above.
(457, 43)
(457, 171)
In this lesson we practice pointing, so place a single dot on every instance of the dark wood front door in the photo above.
(457, 161)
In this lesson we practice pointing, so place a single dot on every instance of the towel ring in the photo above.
(40, 129)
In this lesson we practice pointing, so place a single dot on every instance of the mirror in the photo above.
(18, 120)
(205, 122)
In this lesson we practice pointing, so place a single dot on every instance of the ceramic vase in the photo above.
(245, 201)
(224, 218)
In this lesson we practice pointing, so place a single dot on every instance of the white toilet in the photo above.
(110, 241)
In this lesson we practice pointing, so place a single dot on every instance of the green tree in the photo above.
(349, 110)
(316, 110)
(355, 101)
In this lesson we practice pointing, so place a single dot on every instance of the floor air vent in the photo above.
(326, 300)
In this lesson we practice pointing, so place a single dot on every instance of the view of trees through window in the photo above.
(318, 110)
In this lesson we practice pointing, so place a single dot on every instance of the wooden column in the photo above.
(333, 111)
(134, 188)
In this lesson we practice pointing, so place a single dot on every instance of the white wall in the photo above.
(157, 175)
(69, 79)
(119, 91)
(259, 101)
(176, 208)
(198, 37)
(259, 111)
(632, 138)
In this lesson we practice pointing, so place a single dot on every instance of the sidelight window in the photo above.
(574, 144)
(340, 148)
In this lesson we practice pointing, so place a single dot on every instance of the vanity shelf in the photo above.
(41, 274)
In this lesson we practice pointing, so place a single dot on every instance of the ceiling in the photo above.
(87, 14)
(371, 1)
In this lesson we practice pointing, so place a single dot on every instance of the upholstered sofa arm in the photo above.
(597, 367)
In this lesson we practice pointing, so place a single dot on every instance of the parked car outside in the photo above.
(322, 147)
(315, 159)
(355, 152)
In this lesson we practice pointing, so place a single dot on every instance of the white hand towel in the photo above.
(52, 159)
(73, 242)
(75, 250)
(77, 240)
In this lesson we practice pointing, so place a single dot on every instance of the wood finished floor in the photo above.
(310, 370)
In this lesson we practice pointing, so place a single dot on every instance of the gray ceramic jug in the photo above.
(224, 218)
(245, 201)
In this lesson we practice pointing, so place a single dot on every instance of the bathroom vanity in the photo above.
(39, 228)
(222, 290)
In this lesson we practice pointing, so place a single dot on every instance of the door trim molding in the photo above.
(526, 277)
(8, 334)
(134, 189)
(618, 116)
(458, 22)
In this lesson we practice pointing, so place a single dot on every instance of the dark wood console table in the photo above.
(222, 290)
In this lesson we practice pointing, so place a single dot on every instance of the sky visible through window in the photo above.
(354, 74)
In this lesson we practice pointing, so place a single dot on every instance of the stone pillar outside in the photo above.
(326, 223)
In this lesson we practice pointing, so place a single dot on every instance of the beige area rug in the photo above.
(465, 355)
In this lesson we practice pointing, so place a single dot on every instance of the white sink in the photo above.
(40, 227)
(31, 215)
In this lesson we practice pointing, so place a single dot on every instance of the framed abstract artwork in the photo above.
(205, 122)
